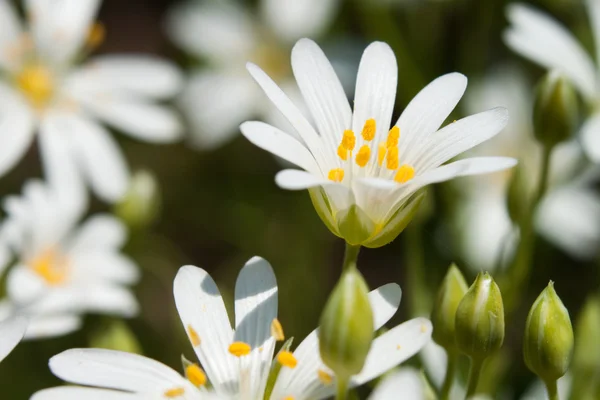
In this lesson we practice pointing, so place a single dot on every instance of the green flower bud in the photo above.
(140, 205)
(548, 342)
(555, 110)
(346, 327)
(587, 331)
(479, 323)
(450, 294)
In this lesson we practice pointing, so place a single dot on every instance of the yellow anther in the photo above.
(336, 175)
(362, 158)
(382, 149)
(423, 328)
(36, 83)
(239, 349)
(195, 375)
(96, 35)
(324, 377)
(175, 392)
(398, 347)
(287, 359)
(51, 267)
(392, 158)
(277, 330)
(288, 398)
(194, 338)
(393, 136)
(368, 132)
(342, 152)
(348, 140)
(405, 173)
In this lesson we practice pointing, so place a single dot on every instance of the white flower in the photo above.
(63, 270)
(542, 39)
(219, 97)
(11, 333)
(405, 384)
(355, 165)
(43, 90)
(237, 361)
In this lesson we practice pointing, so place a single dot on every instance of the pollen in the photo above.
(175, 392)
(393, 136)
(342, 152)
(287, 359)
(239, 349)
(392, 158)
(368, 132)
(37, 84)
(96, 35)
(324, 377)
(348, 140)
(381, 150)
(423, 328)
(336, 175)
(277, 330)
(405, 173)
(51, 267)
(195, 375)
(362, 158)
(398, 347)
(288, 398)
(194, 337)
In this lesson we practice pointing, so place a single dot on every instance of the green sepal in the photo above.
(354, 225)
(275, 368)
(323, 208)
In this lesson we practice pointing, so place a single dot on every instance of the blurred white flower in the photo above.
(11, 333)
(539, 37)
(354, 157)
(225, 34)
(44, 90)
(63, 269)
(237, 362)
(405, 384)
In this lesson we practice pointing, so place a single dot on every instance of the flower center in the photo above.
(36, 82)
(387, 153)
(51, 266)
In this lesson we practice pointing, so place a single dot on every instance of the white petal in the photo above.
(60, 27)
(99, 232)
(540, 38)
(104, 266)
(116, 370)
(435, 361)
(78, 393)
(202, 311)
(11, 333)
(406, 384)
(375, 89)
(427, 111)
(322, 91)
(47, 326)
(293, 179)
(10, 36)
(24, 286)
(281, 144)
(255, 310)
(384, 303)
(292, 20)
(590, 137)
(107, 298)
(16, 126)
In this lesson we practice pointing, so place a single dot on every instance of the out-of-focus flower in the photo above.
(43, 89)
(62, 269)
(569, 213)
(221, 96)
(237, 362)
(362, 175)
(405, 384)
(11, 333)
(539, 37)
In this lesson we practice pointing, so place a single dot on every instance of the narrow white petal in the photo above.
(48, 326)
(10, 35)
(435, 361)
(99, 232)
(427, 111)
(105, 298)
(293, 179)
(255, 310)
(590, 137)
(281, 144)
(24, 286)
(406, 384)
(116, 370)
(203, 313)
(542, 39)
(375, 89)
(11, 333)
(292, 20)
(16, 126)
(385, 301)
(322, 91)
(78, 393)
(105, 266)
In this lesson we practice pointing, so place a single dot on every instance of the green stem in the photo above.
(474, 372)
(418, 300)
(450, 375)
(543, 181)
(552, 390)
(350, 256)
(341, 389)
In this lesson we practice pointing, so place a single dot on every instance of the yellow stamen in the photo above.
(368, 132)
(277, 330)
(288, 398)
(36, 83)
(287, 359)
(362, 158)
(348, 140)
(392, 158)
(393, 136)
(405, 173)
(398, 347)
(336, 175)
(96, 35)
(382, 149)
(194, 338)
(239, 349)
(195, 375)
(51, 267)
(324, 377)
(342, 152)
(175, 392)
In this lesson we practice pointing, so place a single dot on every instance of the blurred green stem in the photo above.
(450, 375)
(341, 388)
(474, 372)
(419, 301)
(552, 390)
(350, 256)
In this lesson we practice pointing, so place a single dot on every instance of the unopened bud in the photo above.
(450, 294)
(140, 205)
(346, 326)
(555, 109)
(479, 323)
(548, 342)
